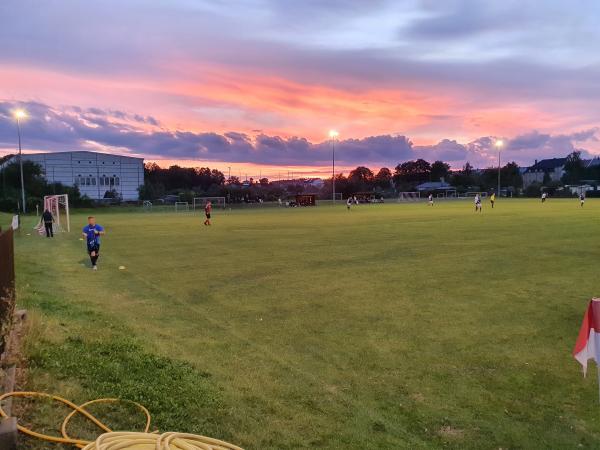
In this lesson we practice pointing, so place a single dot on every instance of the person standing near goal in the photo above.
(349, 202)
(207, 211)
(430, 199)
(493, 199)
(477, 203)
(48, 220)
(581, 199)
(92, 232)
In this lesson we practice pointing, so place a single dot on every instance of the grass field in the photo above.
(389, 326)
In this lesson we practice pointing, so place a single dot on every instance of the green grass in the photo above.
(389, 326)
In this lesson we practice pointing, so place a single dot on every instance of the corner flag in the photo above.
(588, 343)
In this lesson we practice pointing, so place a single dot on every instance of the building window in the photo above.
(93, 181)
(116, 181)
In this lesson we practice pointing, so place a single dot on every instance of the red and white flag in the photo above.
(588, 343)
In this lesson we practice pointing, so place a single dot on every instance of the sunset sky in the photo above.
(257, 84)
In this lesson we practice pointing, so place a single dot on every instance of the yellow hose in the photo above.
(118, 440)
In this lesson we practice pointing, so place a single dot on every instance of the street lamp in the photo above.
(499, 143)
(20, 114)
(333, 136)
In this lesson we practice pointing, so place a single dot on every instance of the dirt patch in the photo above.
(448, 432)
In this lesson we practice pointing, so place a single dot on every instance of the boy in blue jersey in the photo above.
(92, 232)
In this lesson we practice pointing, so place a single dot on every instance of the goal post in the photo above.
(409, 196)
(58, 205)
(182, 206)
(217, 202)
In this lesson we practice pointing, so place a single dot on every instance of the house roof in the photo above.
(433, 185)
(547, 165)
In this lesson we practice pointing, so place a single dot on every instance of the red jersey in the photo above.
(208, 208)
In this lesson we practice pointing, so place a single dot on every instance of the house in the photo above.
(93, 173)
(553, 168)
(434, 186)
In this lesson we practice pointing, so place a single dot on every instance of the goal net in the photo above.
(182, 206)
(409, 196)
(217, 202)
(58, 205)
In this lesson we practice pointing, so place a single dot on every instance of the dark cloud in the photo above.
(72, 128)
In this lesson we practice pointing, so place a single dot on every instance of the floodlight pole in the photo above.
(499, 171)
(23, 205)
(333, 168)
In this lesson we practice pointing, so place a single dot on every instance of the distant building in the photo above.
(554, 168)
(94, 173)
(434, 186)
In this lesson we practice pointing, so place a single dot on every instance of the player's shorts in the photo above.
(94, 248)
(207, 215)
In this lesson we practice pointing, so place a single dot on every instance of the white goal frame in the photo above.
(217, 202)
(57, 205)
(182, 206)
(409, 196)
(338, 196)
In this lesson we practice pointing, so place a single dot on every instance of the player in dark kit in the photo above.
(207, 211)
(92, 232)
(48, 220)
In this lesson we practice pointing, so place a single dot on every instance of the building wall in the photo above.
(93, 173)
(537, 176)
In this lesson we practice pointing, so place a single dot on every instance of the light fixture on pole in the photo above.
(20, 114)
(499, 143)
(333, 136)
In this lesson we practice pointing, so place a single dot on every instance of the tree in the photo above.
(383, 179)
(264, 182)
(510, 175)
(412, 172)
(362, 175)
(574, 168)
(439, 170)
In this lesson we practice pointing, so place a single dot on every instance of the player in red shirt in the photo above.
(207, 210)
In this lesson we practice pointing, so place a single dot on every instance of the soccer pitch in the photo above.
(387, 326)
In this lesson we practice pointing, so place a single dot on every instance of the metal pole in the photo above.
(23, 206)
(498, 193)
(333, 169)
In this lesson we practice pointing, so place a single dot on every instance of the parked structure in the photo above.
(94, 173)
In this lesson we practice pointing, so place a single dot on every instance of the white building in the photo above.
(94, 173)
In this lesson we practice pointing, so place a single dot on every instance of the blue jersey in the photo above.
(93, 239)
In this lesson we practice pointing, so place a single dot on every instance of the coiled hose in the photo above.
(118, 440)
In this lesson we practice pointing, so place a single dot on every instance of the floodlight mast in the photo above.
(499, 143)
(20, 114)
(333, 136)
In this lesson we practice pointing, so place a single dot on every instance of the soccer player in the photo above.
(544, 196)
(430, 199)
(477, 203)
(92, 232)
(349, 202)
(48, 220)
(207, 211)
(581, 199)
(493, 199)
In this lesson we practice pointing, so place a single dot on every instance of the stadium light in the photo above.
(499, 144)
(333, 136)
(21, 114)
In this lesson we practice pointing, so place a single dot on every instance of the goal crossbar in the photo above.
(58, 205)
(217, 202)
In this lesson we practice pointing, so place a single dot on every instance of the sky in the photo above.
(256, 85)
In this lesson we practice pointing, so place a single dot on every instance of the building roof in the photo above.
(592, 162)
(546, 165)
(432, 185)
